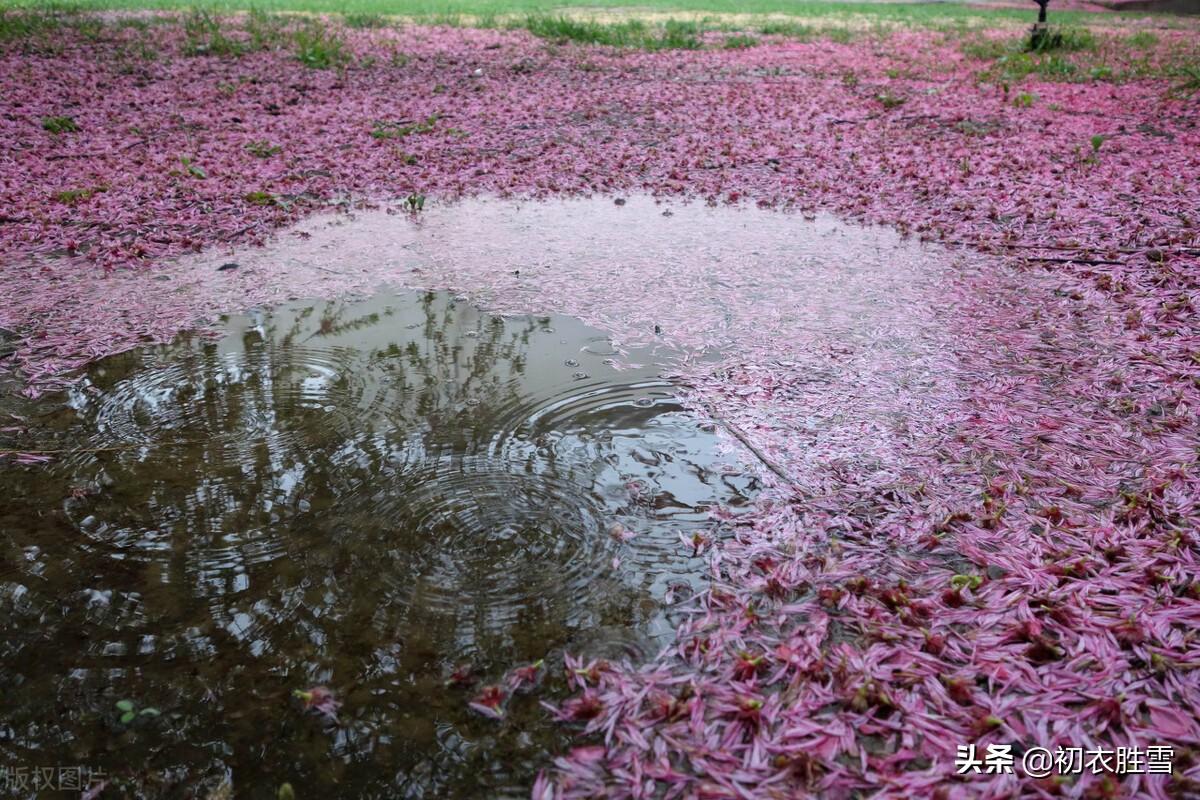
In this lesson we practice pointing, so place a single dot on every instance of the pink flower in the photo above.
(489, 702)
(321, 700)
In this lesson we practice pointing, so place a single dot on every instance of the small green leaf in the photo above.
(286, 792)
(125, 705)
(150, 712)
(127, 717)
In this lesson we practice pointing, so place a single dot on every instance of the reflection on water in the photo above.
(362, 495)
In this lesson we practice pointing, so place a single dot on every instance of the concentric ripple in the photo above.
(470, 540)
(463, 451)
(362, 494)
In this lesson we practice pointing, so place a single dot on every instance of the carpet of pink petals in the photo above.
(1021, 567)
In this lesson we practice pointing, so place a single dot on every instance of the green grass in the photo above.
(739, 42)
(1142, 40)
(365, 20)
(1067, 40)
(480, 11)
(671, 35)
(1077, 54)
(319, 47)
(1190, 83)
(1068, 52)
(206, 36)
(385, 129)
(57, 125)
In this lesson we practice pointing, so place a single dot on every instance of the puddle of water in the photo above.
(364, 495)
(357, 494)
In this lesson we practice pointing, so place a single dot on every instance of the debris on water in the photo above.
(524, 678)
(321, 700)
(489, 702)
(463, 675)
(227, 266)
(619, 533)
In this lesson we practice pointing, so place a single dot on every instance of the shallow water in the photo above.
(359, 494)
(365, 495)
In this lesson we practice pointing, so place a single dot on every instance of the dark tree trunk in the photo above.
(1038, 36)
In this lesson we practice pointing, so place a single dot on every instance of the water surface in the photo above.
(359, 494)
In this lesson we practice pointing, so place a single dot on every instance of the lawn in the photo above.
(719, 12)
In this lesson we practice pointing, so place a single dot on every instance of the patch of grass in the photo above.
(317, 47)
(950, 15)
(365, 20)
(1015, 66)
(265, 31)
(566, 29)
(58, 125)
(204, 36)
(677, 35)
(259, 198)
(384, 129)
(673, 34)
(263, 149)
(1075, 56)
(1190, 84)
(791, 30)
(40, 27)
(1067, 40)
(1142, 40)
(739, 41)
(192, 168)
(1024, 100)
(17, 24)
(839, 35)
(72, 196)
(985, 49)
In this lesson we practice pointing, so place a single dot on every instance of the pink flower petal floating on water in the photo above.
(489, 702)
(94, 790)
(321, 700)
(619, 533)
(463, 675)
(526, 677)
